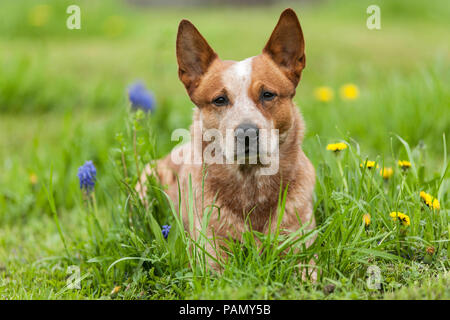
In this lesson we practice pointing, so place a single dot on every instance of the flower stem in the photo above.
(95, 211)
(342, 175)
(138, 172)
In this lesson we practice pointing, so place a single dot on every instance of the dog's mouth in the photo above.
(247, 151)
(247, 159)
(254, 150)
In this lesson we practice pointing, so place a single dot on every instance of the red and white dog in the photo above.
(247, 98)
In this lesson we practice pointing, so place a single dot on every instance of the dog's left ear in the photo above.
(286, 46)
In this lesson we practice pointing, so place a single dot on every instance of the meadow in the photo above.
(63, 101)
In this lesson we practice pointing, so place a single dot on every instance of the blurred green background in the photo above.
(63, 92)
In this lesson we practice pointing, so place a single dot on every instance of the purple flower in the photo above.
(165, 230)
(140, 97)
(87, 175)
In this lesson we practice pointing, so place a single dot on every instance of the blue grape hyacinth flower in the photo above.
(87, 175)
(141, 98)
(165, 230)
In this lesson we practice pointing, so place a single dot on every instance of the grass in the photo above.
(63, 101)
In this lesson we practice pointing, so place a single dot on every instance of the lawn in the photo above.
(63, 101)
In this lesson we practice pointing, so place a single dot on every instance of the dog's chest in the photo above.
(240, 196)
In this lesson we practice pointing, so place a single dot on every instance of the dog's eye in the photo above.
(220, 101)
(267, 95)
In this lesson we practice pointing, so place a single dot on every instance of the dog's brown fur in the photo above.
(239, 190)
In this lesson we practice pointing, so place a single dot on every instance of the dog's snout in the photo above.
(247, 139)
(247, 131)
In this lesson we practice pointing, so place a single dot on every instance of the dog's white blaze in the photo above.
(237, 80)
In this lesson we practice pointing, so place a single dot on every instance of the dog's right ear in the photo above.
(194, 55)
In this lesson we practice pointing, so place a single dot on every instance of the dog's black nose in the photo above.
(247, 137)
(247, 130)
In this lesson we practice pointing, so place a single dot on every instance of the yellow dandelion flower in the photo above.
(336, 147)
(403, 218)
(369, 164)
(424, 195)
(115, 290)
(436, 204)
(33, 178)
(404, 164)
(324, 94)
(431, 250)
(349, 92)
(386, 173)
(430, 201)
(39, 15)
(366, 219)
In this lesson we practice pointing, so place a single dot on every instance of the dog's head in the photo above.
(248, 97)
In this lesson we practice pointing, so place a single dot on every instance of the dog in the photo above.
(244, 98)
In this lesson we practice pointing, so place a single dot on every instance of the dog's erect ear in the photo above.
(286, 46)
(194, 55)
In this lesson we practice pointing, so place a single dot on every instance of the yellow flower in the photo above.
(427, 198)
(33, 178)
(404, 164)
(39, 15)
(366, 219)
(369, 164)
(436, 204)
(115, 290)
(403, 218)
(431, 202)
(336, 147)
(324, 94)
(386, 173)
(424, 195)
(349, 92)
